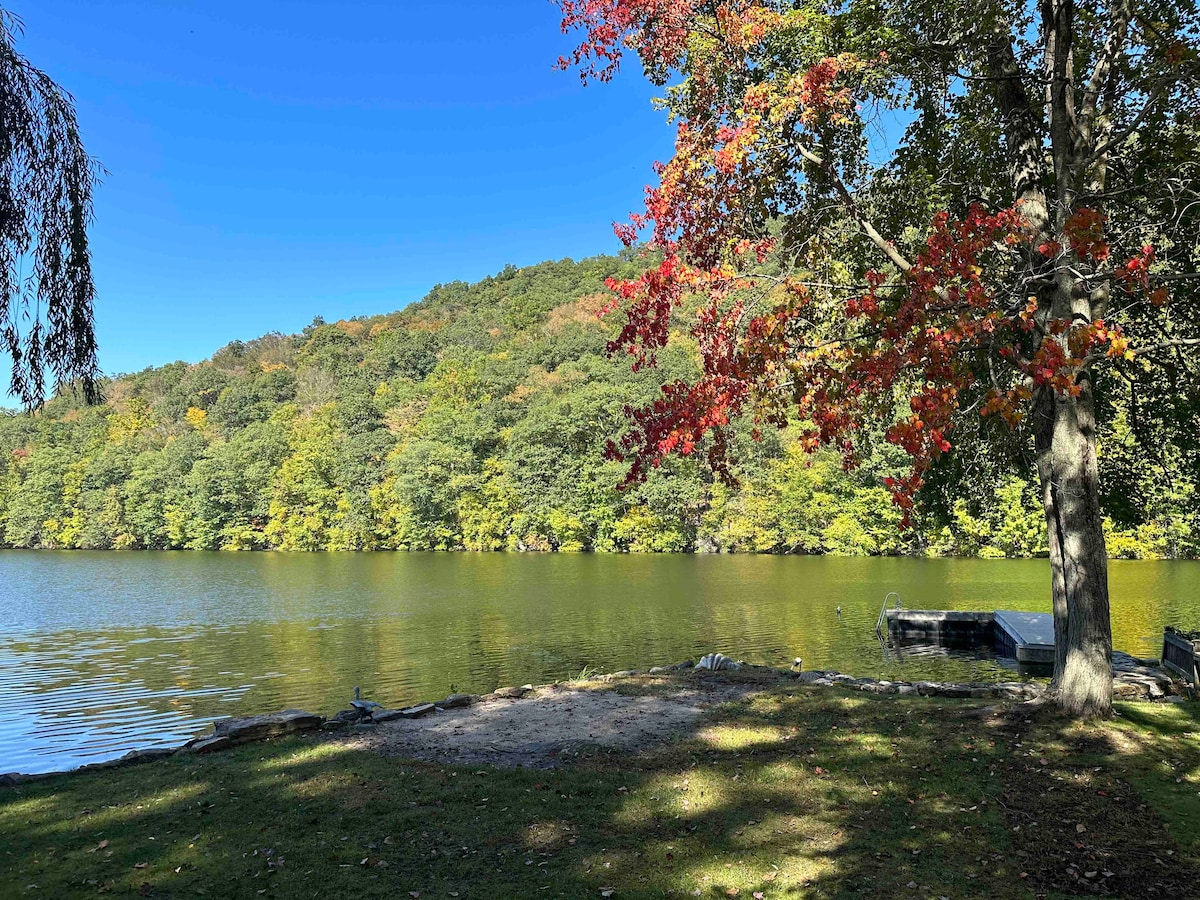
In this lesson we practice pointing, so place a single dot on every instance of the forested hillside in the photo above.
(477, 419)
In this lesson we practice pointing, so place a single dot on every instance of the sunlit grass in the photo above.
(798, 792)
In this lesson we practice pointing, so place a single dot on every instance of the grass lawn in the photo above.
(799, 792)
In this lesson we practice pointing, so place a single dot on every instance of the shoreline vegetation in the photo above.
(477, 419)
(760, 783)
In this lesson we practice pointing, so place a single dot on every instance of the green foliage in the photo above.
(477, 419)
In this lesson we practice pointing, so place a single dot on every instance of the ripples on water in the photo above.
(101, 653)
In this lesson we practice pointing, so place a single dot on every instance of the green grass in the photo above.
(801, 792)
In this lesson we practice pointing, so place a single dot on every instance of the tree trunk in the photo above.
(1065, 436)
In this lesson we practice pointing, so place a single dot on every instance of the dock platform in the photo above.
(1026, 637)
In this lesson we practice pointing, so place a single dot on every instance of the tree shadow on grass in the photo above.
(794, 792)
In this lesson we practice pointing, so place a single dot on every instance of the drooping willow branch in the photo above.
(46, 180)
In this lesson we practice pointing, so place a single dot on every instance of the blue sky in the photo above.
(273, 161)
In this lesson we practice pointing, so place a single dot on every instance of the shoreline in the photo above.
(1134, 679)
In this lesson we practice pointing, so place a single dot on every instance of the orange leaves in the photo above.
(745, 25)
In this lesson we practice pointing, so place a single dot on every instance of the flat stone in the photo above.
(257, 728)
(811, 677)
(456, 701)
(208, 745)
(955, 690)
(511, 693)
(387, 715)
(413, 712)
(149, 755)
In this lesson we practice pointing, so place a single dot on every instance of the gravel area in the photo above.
(549, 724)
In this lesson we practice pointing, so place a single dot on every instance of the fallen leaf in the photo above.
(141, 865)
(1080, 828)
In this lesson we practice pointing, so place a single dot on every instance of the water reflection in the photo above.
(104, 652)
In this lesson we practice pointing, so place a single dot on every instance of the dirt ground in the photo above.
(549, 724)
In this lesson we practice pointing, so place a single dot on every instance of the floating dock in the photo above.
(1026, 637)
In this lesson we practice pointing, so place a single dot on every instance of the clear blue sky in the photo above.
(272, 161)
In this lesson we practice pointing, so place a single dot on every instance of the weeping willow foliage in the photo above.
(46, 180)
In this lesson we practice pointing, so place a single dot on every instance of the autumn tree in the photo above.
(46, 180)
(960, 219)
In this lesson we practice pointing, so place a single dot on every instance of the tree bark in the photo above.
(1066, 451)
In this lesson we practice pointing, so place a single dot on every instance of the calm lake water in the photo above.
(104, 652)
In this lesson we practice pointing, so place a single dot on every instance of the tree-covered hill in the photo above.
(477, 419)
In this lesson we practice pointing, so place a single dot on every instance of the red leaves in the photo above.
(819, 95)
(957, 317)
(657, 27)
(1135, 272)
(1084, 231)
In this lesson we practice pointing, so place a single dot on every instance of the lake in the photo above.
(104, 652)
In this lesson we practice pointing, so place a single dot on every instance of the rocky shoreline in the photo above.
(1133, 679)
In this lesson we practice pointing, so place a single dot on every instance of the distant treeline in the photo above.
(477, 419)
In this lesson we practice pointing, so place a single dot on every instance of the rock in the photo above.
(812, 677)
(512, 693)
(686, 664)
(421, 709)
(456, 701)
(208, 745)
(387, 715)
(257, 728)
(627, 673)
(1125, 690)
(717, 662)
(139, 756)
(1015, 690)
(954, 690)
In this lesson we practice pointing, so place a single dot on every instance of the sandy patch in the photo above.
(550, 724)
